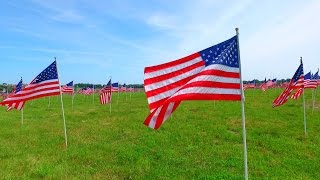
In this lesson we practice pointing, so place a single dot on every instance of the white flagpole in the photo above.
(243, 114)
(110, 93)
(49, 102)
(93, 94)
(118, 93)
(72, 98)
(64, 119)
(22, 116)
(304, 108)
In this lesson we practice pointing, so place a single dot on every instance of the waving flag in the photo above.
(17, 89)
(123, 88)
(211, 74)
(296, 83)
(106, 94)
(309, 82)
(315, 78)
(264, 86)
(86, 90)
(45, 84)
(115, 87)
(68, 88)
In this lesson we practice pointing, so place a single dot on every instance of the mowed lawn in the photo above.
(202, 140)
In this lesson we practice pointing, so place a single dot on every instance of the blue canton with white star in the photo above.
(298, 73)
(19, 86)
(48, 74)
(225, 53)
(70, 84)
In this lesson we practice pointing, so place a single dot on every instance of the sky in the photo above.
(94, 40)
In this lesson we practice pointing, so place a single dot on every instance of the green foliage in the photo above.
(202, 140)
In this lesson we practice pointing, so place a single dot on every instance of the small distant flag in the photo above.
(309, 82)
(86, 91)
(115, 87)
(316, 77)
(68, 88)
(106, 94)
(17, 89)
(264, 86)
(296, 83)
(45, 84)
(123, 88)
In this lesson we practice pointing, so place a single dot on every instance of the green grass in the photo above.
(202, 140)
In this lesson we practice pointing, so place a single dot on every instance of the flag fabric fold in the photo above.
(211, 74)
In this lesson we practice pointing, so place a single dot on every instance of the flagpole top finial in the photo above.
(301, 60)
(237, 30)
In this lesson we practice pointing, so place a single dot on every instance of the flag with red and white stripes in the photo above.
(309, 82)
(68, 88)
(15, 90)
(211, 74)
(296, 83)
(106, 94)
(45, 84)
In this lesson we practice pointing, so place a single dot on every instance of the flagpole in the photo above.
(49, 102)
(64, 119)
(304, 108)
(93, 94)
(22, 116)
(110, 93)
(312, 100)
(243, 114)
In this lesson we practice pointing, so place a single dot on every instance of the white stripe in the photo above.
(172, 69)
(222, 67)
(163, 95)
(20, 105)
(38, 88)
(43, 82)
(168, 111)
(206, 90)
(154, 118)
(213, 78)
(173, 79)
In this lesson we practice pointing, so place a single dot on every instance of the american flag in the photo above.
(106, 94)
(264, 86)
(86, 90)
(17, 89)
(211, 74)
(45, 84)
(68, 88)
(115, 87)
(309, 82)
(296, 83)
(123, 88)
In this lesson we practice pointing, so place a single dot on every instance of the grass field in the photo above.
(202, 140)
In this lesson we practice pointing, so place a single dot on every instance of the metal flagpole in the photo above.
(304, 108)
(64, 119)
(118, 93)
(93, 94)
(110, 93)
(243, 114)
(49, 102)
(22, 116)
(72, 98)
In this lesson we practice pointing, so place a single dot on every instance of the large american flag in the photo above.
(106, 94)
(45, 84)
(296, 83)
(211, 74)
(68, 88)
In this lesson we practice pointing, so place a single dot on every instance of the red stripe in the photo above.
(169, 86)
(35, 91)
(34, 97)
(33, 86)
(173, 74)
(157, 103)
(170, 64)
(220, 73)
(197, 96)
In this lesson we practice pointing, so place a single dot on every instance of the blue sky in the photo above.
(94, 40)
